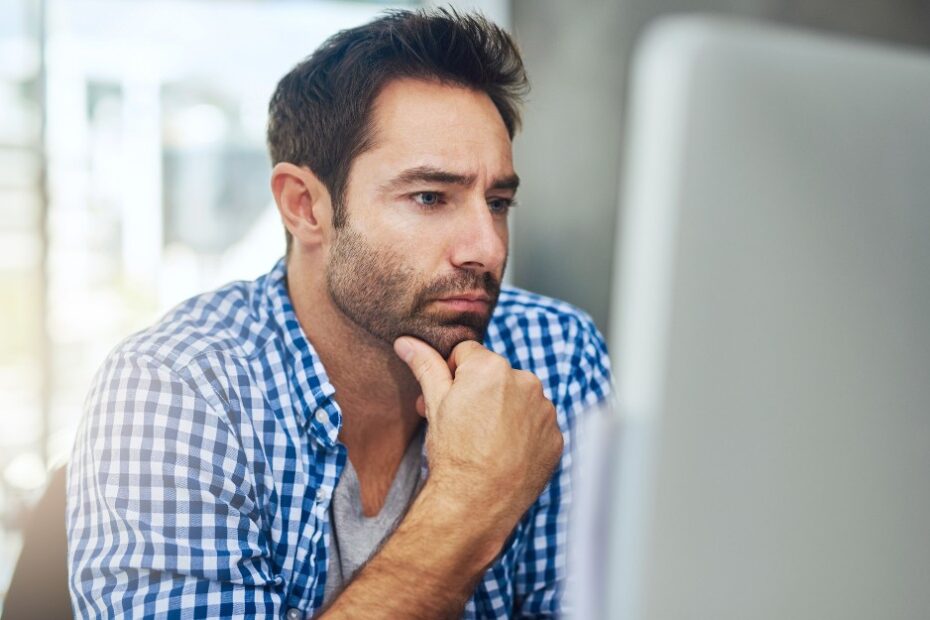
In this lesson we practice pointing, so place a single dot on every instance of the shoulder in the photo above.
(185, 362)
(536, 320)
(518, 301)
(224, 322)
(554, 339)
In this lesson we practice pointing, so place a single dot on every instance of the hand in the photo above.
(493, 440)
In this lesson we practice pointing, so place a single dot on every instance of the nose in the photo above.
(480, 239)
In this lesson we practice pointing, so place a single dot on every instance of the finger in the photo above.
(462, 351)
(421, 405)
(428, 367)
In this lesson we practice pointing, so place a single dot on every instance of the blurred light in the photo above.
(197, 126)
(25, 472)
(19, 121)
(20, 58)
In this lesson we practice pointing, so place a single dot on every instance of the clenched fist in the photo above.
(493, 441)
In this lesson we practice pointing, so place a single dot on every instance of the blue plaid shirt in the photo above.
(205, 462)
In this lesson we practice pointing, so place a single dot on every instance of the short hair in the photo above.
(320, 113)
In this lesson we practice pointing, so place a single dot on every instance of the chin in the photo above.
(447, 337)
(443, 331)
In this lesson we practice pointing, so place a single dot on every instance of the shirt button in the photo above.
(294, 614)
(322, 495)
(321, 416)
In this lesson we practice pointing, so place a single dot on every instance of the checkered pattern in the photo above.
(207, 456)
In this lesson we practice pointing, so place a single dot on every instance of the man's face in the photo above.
(424, 246)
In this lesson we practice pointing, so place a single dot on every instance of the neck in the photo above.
(374, 388)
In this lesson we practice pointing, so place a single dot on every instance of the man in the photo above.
(262, 451)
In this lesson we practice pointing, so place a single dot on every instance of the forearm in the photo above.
(428, 568)
(493, 442)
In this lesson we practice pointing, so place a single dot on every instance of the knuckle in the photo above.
(552, 413)
(493, 364)
(467, 347)
(496, 361)
(531, 384)
(552, 416)
(472, 354)
(462, 347)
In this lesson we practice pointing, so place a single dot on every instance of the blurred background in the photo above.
(133, 171)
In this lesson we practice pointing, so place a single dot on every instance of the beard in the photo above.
(375, 289)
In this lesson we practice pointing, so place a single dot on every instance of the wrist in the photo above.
(472, 524)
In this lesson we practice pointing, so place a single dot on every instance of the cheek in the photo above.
(504, 232)
(424, 247)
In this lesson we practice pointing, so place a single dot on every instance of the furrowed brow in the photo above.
(511, 182)
(428, 174)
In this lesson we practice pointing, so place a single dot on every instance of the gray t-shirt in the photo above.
(354, 537)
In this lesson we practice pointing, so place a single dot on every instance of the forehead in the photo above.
(419, 122)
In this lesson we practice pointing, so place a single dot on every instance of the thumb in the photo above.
(428, 367)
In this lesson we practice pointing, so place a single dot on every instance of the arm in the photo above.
(161, 514)
(493, 443)
(428, 568)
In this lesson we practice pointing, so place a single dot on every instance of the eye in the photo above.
(427, 199)
(501, 205)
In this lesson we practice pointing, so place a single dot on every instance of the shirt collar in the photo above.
(317, 411)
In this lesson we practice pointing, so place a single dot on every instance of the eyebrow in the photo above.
(430, 174)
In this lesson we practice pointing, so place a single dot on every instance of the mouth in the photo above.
(465, 302)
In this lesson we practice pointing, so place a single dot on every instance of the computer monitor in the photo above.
(771, 335)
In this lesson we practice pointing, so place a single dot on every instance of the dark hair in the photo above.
(320, 113)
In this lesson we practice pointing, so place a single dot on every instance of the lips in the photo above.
(466, 302)
(474, 297)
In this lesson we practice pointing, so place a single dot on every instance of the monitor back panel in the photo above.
(773, 330)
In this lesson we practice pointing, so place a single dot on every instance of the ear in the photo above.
(303, 201)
